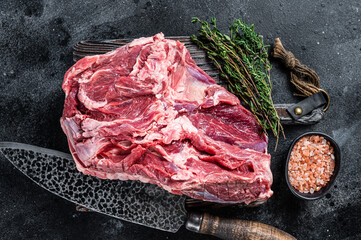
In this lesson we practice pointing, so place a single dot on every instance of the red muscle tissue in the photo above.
(147, 112)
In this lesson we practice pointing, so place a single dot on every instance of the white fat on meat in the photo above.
(175, 129)
(147, 112)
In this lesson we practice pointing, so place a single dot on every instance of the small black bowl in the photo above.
(320, 193)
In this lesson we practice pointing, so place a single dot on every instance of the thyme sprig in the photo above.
(242, 60)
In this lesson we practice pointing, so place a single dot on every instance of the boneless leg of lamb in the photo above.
(147, 112)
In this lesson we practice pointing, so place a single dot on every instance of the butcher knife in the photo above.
(131, 201)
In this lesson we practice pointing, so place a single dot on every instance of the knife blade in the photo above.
(132, 201)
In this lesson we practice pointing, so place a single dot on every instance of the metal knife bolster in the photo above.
(194, 222)
(132, 201)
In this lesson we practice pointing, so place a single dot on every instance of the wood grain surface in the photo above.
(232, 229)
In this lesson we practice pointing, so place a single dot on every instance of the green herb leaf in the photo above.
(242, 59)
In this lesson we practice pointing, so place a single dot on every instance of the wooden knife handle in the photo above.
(232, 229)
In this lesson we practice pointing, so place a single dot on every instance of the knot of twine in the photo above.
(290, 60)
(303, 78)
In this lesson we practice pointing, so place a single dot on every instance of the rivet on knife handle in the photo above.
(231, 229)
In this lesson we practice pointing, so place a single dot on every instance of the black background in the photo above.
(35, 42)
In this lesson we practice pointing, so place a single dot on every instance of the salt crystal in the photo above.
(310, 176)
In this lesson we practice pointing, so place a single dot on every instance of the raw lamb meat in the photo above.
(147, 112)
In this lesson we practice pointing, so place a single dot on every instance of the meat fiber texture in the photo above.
(147, 112)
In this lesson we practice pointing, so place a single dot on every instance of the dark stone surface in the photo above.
(36, 39)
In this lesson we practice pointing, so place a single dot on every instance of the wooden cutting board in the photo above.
(89, 48)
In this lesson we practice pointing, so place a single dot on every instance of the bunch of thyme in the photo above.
(242, 59)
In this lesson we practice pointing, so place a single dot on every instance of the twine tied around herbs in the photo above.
(303, 78)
